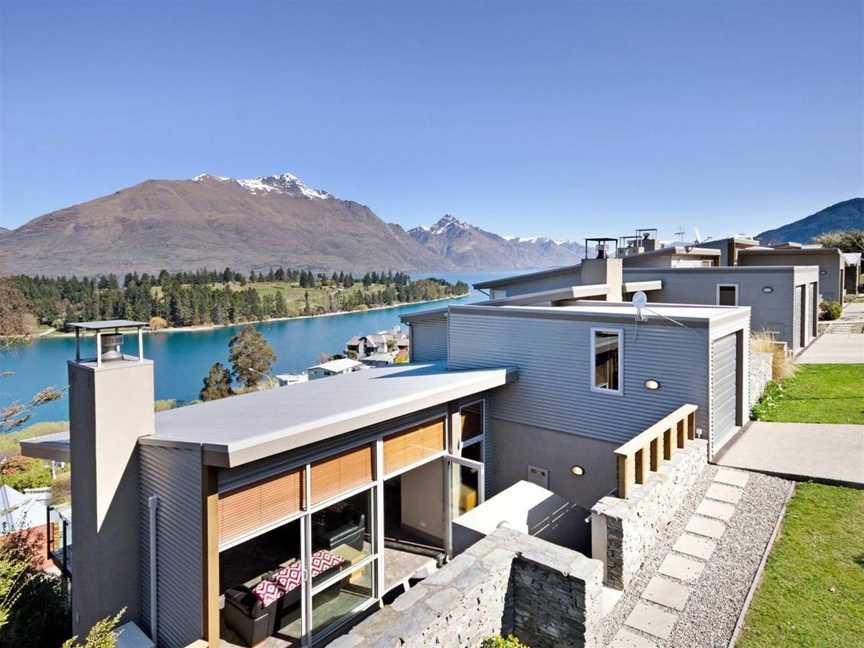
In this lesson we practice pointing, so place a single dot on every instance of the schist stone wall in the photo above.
(624, 531)
(761, 368)
(507, 583)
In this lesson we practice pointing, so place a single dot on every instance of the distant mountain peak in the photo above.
(447, 224)
(284, 183)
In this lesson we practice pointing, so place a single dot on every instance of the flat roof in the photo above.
(236, 430)
(712, 269)
(683, 250)
(551, 272)
(337, 365)
(754, 251)
(48, 446)
(101, 325)
(621, 311)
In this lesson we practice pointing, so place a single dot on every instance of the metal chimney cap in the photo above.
(101, 325)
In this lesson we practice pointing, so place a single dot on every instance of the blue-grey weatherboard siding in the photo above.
(830, 264)
(429, 338)
(775, 311)
(174, 475)
(554, 361)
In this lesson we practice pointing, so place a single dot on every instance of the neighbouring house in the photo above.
(334, 368)
(24, 518)
(782, 299)
(853, 281)
(361, 346)
(354, 347)
(380, 359)
(674, 256)
(729, 247)
(830, 261)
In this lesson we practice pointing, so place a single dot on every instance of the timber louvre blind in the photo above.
(413, 445)
(245, 509)
(341, 473)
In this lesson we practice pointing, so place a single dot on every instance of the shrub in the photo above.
(22, 472)
(830, 310)
(782, 364)
(770, 397)
(157, 323)
(511, 641)
(101, 635)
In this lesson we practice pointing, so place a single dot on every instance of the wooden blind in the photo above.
(245, 509)
(412, 445)
(341, 473)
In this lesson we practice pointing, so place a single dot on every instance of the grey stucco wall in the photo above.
(508, 582)
(519, 445)
(829, 262)
(554, 361)
(768, 311)
(623, 531)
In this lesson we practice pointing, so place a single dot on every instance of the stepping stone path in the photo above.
(653, 619)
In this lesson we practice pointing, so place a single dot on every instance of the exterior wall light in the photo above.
(768, 289)
(652, 384)
(577, 471)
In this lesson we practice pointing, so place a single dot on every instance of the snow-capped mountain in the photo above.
(470, 247)
(285, 183)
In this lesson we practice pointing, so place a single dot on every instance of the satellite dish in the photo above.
(640, 301)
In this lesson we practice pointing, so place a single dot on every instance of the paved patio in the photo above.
(832, 454)
(834, 348)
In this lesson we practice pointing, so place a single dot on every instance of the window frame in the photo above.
(727, 285)
(592, 365)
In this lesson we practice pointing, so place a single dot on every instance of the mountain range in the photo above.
(253, 224)
(845, 215)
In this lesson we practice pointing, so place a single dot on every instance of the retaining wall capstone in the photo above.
(507, 583)
(761, 371)
(623, 531)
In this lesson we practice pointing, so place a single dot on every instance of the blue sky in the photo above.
(565, 119)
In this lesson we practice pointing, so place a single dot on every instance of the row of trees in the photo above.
(205, 297)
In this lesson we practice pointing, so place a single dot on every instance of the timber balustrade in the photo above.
(644, 453)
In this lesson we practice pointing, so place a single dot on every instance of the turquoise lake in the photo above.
(183, 358)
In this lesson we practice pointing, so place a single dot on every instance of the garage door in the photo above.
(811, 310)
(723, 389)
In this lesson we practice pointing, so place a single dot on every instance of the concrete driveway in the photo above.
(832, 454)
(834, 348)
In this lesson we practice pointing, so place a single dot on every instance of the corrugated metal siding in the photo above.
(429, 340)
(173, 475)
(553, 358)
(724, 352)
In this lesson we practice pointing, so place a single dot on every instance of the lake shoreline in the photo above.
(199, 328)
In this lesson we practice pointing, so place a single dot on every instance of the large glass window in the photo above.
(341, 536)
(606, 372)
(336, 602)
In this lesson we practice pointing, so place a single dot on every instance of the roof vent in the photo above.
(112, 344)
(109, 344)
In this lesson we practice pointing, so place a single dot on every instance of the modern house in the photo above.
(730, 247)
(334, 368)
(674, 256)
(281, 515)
(830, 261)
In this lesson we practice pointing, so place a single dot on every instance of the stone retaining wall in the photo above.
(761, 368)
(508, 582)
(624, 531)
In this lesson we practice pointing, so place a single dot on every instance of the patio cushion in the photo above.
(267, 592)
(322, 560)
(288, 578)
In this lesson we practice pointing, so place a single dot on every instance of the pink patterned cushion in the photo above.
(323, 560)
(267, 592)
(288, 578)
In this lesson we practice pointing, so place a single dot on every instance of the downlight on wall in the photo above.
(652, 384)
(577, 471)
(768, 290)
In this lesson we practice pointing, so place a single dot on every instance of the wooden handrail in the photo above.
(646, 451)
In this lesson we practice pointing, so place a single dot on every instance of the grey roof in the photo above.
(48, 446)
(240, 429)
(684, 250)
(107, 324)
(519, 278)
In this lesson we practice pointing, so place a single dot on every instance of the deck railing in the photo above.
(645, 452)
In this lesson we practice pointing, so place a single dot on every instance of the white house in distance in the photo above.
(334, 368)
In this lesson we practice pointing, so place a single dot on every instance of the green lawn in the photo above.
(812, 590)
(831, 393)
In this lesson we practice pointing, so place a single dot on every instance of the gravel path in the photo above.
(709, 617)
